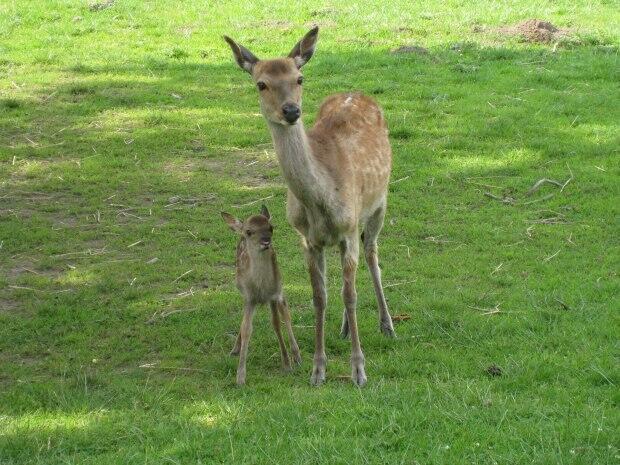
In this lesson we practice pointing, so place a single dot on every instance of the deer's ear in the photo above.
(233, 223)
(265, 212)
(302, 52)
(245, 59)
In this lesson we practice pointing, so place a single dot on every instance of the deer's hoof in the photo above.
(344, 328)
(297, 357)
(387, 330)
(318, 373)
(358, 374)
(234, 352)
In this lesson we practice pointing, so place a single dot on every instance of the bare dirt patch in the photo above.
(534, 30)
(405, 49)
(9, 306)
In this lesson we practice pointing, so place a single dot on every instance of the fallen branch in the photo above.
(540, 183)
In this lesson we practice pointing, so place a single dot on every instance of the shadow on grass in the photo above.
(141, 145)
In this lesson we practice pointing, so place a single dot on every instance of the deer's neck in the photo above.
(301, 171)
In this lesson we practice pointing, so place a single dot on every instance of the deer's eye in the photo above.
(248, 232)
(261, 85)
(300, 80)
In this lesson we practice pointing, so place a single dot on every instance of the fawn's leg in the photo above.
(245, 334)
(286, 316)
(349, 251)
(316, 266)
(275, 321)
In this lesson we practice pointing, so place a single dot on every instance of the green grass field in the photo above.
(125, 130)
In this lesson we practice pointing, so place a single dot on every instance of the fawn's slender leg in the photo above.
(316, 265)
(245, 334)
(349, 251)
(275, 321)
(286, 316)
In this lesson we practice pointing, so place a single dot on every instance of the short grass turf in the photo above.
(126, 127)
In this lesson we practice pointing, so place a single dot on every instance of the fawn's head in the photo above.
(256, 230)
(279, 80)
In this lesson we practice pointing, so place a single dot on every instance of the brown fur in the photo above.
(337, 175)
(259, 281)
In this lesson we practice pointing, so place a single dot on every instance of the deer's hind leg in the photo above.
(285, 314)
(275, 321)
(371, 252)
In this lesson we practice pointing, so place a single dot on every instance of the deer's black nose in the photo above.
(291, 112)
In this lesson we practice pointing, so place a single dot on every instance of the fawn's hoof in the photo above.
(297, 357)
(234, 352)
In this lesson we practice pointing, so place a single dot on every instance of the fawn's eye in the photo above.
(300, 80)
(261, 85)
(248, 232)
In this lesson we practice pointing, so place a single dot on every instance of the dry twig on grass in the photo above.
(540, 183)
(487, 311)
(253, 202)
(184, 274)
(161, 315)
(506, 200)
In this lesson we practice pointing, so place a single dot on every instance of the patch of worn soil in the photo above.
(415, 49)
(534, 30)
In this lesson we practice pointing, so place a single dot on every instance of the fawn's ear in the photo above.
(302, 52)
(265, 212)
(232, 222)
(245, 59)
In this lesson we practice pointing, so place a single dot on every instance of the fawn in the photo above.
(260, 282)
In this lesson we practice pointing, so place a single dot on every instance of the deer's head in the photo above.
(279, 80)
(256, 230)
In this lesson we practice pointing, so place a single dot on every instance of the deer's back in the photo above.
(350, 139)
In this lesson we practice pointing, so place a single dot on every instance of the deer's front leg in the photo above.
(349, 251)
(316, 265)
(244, 335)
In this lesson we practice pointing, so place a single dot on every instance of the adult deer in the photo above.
(337, 176)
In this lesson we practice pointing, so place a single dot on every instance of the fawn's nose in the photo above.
(291, 112)
(265, 242)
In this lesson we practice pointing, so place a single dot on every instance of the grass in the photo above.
(125, 130)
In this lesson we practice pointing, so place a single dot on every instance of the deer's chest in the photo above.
(320, 226)
(259, 284)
